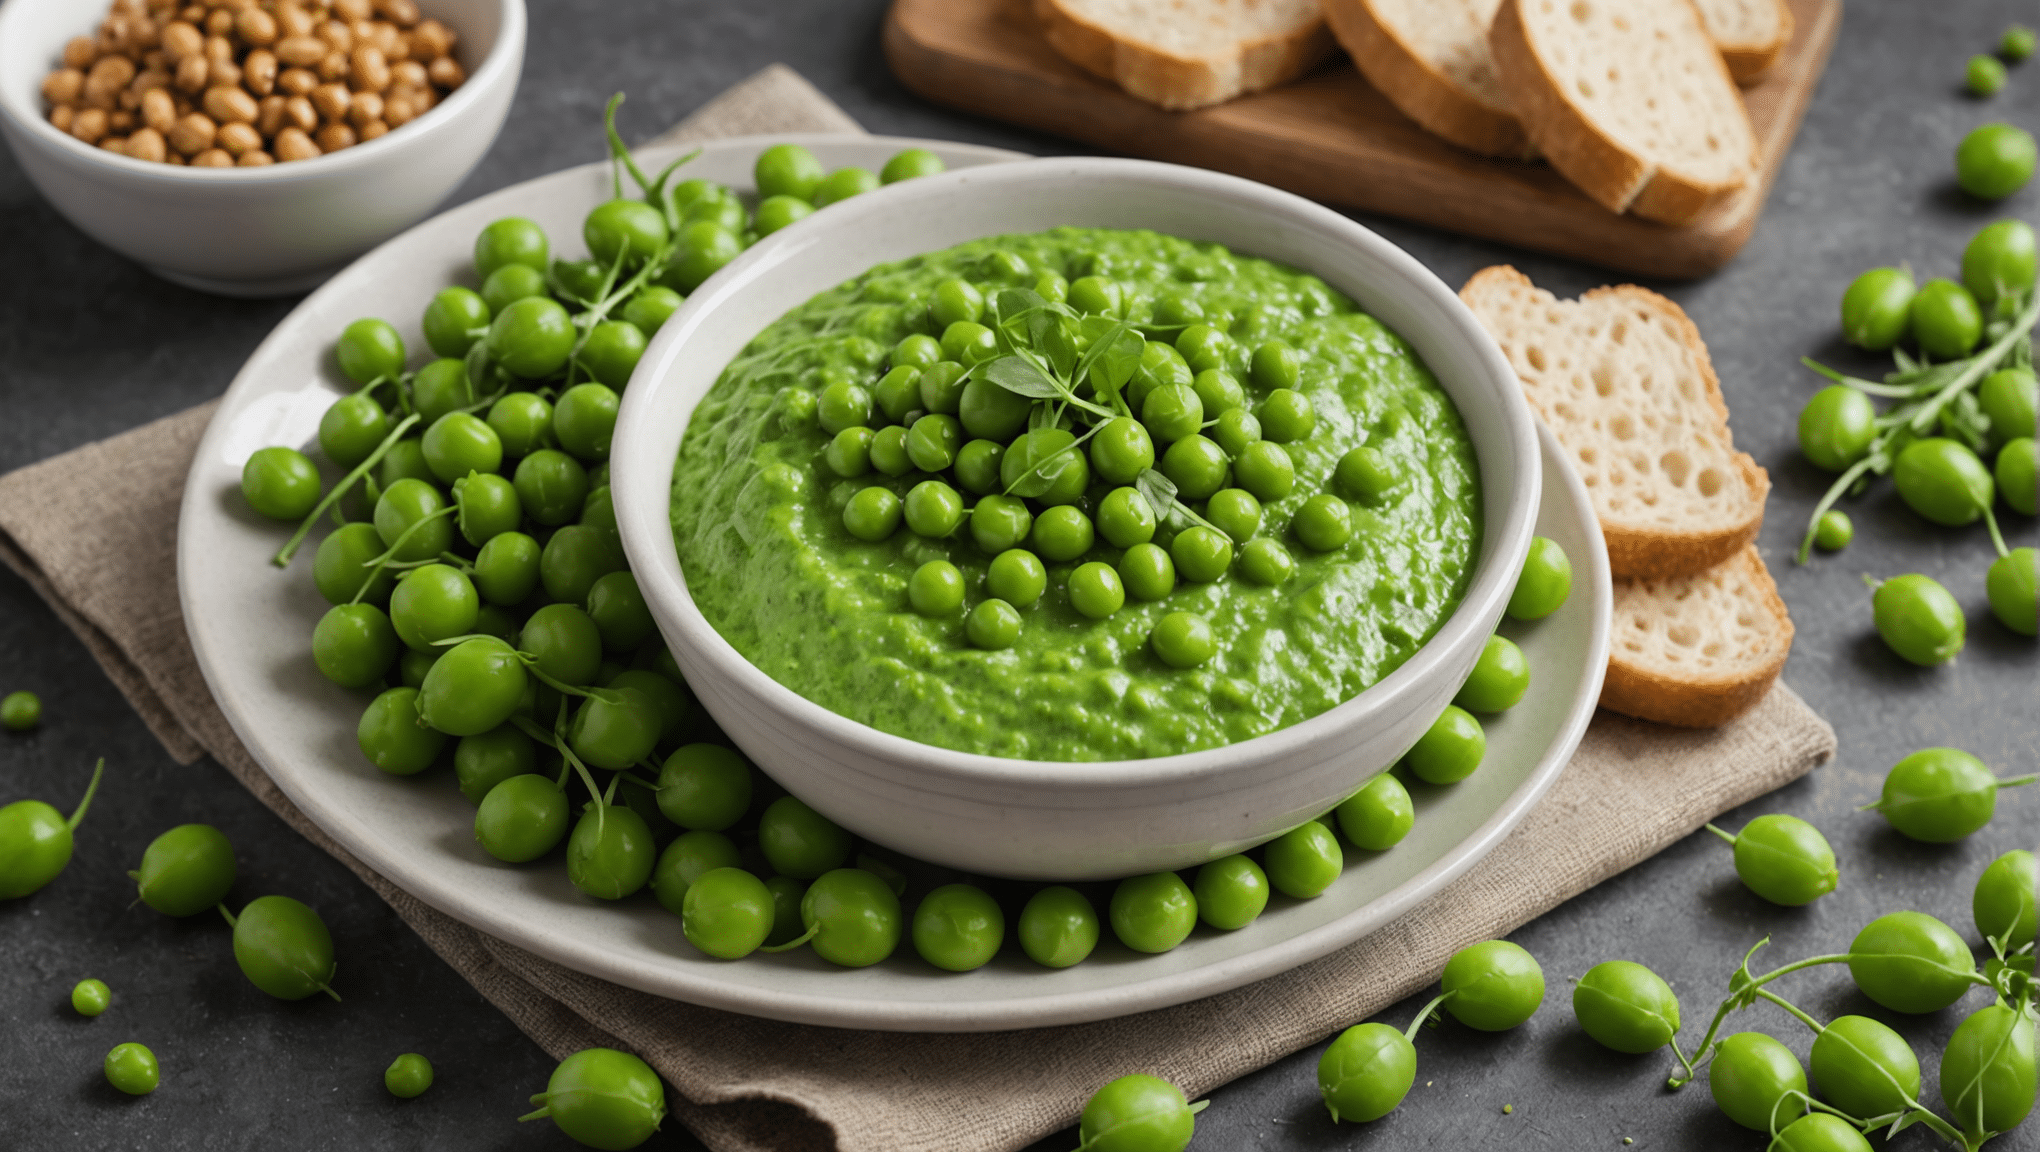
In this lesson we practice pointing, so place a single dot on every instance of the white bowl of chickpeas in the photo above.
(253, 147)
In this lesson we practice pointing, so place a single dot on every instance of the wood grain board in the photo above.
(1334, 138)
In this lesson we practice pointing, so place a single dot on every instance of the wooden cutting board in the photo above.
(1334, 138)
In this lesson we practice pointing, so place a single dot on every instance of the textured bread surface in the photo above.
(1629, 99)
(1188, 53)
(1751, 34)
(1625, 383)
(1697, 651)
(1431, 59)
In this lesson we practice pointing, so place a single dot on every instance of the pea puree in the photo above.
(758, 513)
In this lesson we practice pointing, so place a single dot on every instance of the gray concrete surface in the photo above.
(91, 345)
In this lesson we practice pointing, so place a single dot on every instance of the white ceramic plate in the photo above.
(251, 626)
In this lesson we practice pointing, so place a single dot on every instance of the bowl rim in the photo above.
(642, 488)
(506, 53)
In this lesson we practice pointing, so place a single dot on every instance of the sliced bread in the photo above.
(1629, 100)
(1188, 53)
(1751, 34)
(1431, 59)
(1626, 385)
(1696, 651)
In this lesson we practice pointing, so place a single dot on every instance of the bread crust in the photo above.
(1654, 554)
(1748, 62)
(1423, 93)
(1176, 82)
(1609, 174)
(1699, 701)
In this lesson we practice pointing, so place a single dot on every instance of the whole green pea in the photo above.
(910, 163)
(1379, 815)
(1231, 892)
(1265, 561)
(603, 1098)
(2008, 397)
(788, 170)
(1058, 927)
(511, 240)
(611, 852)
(1492, 986)
(842, 184)
(2003, 900)
(958, 928)
(1202, 554)
(1450, 750)
(483, 761)
(284, 948)
(280, 483)
(1626, 1006)
(1919, 619)
(1940, 795)
(91, 997)
(727, 912)
(1153, 913)
(370, 349)
(2018, 475)
(1819, 1132)
(1544, 583)
(1836, 427)
(854, 917)
(408, 1076)
(1994, 160)
(1304, 861)
(1910, 962)
(1323, 523)
(1137, 1113)
(1785, 860)
(799, 841)
(132, 1068)
(186, 870)
(2014, 586)
(1147, 572)
(1943, 480)
(1864, 1068)
(1984, 75)
(1946, 319)
(1365, 1073)
(2000, 259)
(2017, 43)
(1752, 1080)
(651, 308)
(1500, 678)
(1834, 531)
(20, 711)
(994, 625)
(1987, 1070)
(1183, 640)
(1877, 308)
(36, 841)
(521, 818)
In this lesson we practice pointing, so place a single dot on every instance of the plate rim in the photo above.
(867, 1012)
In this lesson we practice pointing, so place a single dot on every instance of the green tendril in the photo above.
(283, 556)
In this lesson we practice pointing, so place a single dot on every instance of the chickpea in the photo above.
(62, 117)
(219, 22)
(353, 9)
(256, 27)
(258, 72)
(301, 51)
(63, 86)
(409, 72)
(191, 13)
(89, 125)
(297, 82)
(218, 48)
(334, 66)
(334, 137)
(446, 72)
(156, 60)
(337, 36)
(213, 158)
(270, 118)
(331, 100)
(114, 71)
(256, 159)
(385, 36)
(146, 144)
(147, 80)
(192, 134)
(158, 111)
(299, 113)
(431, 40)
(230, 105)
(293, 144)
(372, 129)
(401, 12)
(292, 20)
(398, 110)
(80, 52)
(364, 107)
(120, 120)
(192, 72)
(223, 72)
(182, 39)
(238, 138)
(115, 144)
(371, 72)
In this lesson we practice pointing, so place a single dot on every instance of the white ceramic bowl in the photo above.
(1049, 820)
(256, 231)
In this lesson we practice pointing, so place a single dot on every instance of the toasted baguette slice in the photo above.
(1431, 59)
(1629, 100)
(1751, 34)
(1697, 651)
(1188, 53)
(1625, 383)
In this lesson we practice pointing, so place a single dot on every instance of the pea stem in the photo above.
(1788, 1006)
(1997, 538)
(1979, 366)
(1728, 836)
(231, 921)
(388, 558)
(1875, 459)
(1410, 1033)
(282, 558)
(1738, 998)
(1871, 387)
(91, 789)
(796, 942)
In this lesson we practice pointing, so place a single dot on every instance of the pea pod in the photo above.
(1757, 1082)
(1911, 962)
(2003, 901)
(603, 1098)
(1783, 859)
(1819, 1132)
(283, 948)
(1492, 986)
(1137, 1114)
(35, 841)
(1365, 1073)
(1940, 795)
(1626, 1007)
(186, 870)
(1864, 1068)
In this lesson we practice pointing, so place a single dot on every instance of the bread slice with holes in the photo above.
(1750, 34)
(1431, 59)
(1697, 651)
(1626, 385)
(1188, 53)
(1629, 99)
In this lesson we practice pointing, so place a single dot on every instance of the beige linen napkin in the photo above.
(94, 532)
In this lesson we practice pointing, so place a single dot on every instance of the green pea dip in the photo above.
(757, 521)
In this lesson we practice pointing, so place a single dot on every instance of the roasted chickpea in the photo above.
(293, 144)
(255, 26)
(334, 137)
(159, 111)
(62, 117)
(331, 100)
(297, 81)
(80, 52)
(446, 72)
(292, 20)
(90, 125)
(146, 144)
(270, 118)
(193, 134)
(255, 159)
(302, 51)
(239, 138)
(63, 86)
(229, 105)
(258, 72)
(121, 121)
(219, 22)
(223, 73)
(192, 72)
(338, 37)
(333, 67)
(372, 72)
(364, 107)
(114, 144)
(401, 12)
(398, 111)
(409, 72)
(352, 9)
(431, 40)
(213, 158)
(371, 129)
